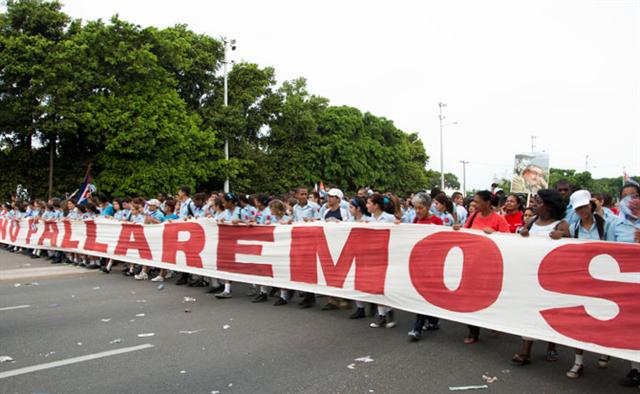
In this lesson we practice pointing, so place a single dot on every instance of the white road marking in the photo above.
(74, 360)
(10, 308)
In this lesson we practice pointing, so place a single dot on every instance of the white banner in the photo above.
(576, 293)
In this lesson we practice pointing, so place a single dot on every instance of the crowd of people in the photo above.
(565, 211)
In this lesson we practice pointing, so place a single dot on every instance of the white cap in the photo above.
(580, 198)
(336, 193)
(154, 201)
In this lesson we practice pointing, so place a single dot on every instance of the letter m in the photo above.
(369, 248)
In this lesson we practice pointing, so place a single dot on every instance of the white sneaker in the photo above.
(141, 276)
(158, 279)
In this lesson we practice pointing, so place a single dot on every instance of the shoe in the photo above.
(215, 290)
(273, 292)
(182, 280)
(34, 256)
(93, 266)
(358, 314)
(308, 301)
(329, 307)
(381, 322)
(158, 279)
(631, 380)
(141, 276)
(127, 273)
(432, 327)
(414, 336)
(200, 283)
(262, 297)
(391, 320)
(105, 270)
(223, 295)
(56, 261)
(603, 362)
(576, 371)
(280, 302)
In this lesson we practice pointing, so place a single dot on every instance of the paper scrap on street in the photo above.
(365, 359)
(6, 359)
(465, 388)
(146, 334)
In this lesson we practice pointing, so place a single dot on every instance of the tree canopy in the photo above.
(144, 107)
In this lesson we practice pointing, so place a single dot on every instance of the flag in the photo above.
(625, 176)
(85, 190)
(323, 193)
(315, 188)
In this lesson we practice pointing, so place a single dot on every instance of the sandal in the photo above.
(603, 362)
(521, 359)
(470, 340)
(552, 355)
(576, 371)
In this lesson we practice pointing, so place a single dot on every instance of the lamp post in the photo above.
(442, 126)
(464, 177)
(227, 44)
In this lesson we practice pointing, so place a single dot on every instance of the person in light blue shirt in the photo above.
(590, 225)
(231, 208)
(154, 214)
(263, 216)
(247, 211)
(304, 210)
(564, 188)
(187, 208)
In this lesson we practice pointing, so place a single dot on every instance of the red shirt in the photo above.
(433, 219)
(493, 221)
(514, 220)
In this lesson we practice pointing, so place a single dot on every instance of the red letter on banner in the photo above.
(191, 248)
(91, 243)
(481, 281)
(67, 242)
(33, 228)
(50, 232)
(566, 270)
(14, 230)
(368, 247)
(228, 248)
(132, 237)
(3, 228)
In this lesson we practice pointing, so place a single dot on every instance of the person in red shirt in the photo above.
(513, 212)
(422, 205)
(485, 219)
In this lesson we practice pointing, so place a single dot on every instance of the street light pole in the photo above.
(464, 177)
(442, 126)
(441, 118)
(226, 101)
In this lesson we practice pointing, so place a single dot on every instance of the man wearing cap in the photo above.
(154, 214)
(335, 210)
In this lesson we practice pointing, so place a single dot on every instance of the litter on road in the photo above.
(117, 340)
(489, 379)
(365, 359)
(146, 334)
(6, 359)
(351, 366)
(189, 332)
(188, 299)
(226, 327)
(140, 315)
(105, 320)
(465, 388)
(96, 288)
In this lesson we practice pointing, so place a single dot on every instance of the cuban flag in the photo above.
(85, 190)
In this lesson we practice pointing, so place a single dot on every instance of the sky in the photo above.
(565, 72)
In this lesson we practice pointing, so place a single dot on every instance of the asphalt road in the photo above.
(239, 347)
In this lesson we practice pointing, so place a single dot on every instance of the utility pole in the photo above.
(464, 177)
(442, 126)
(227, 43)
